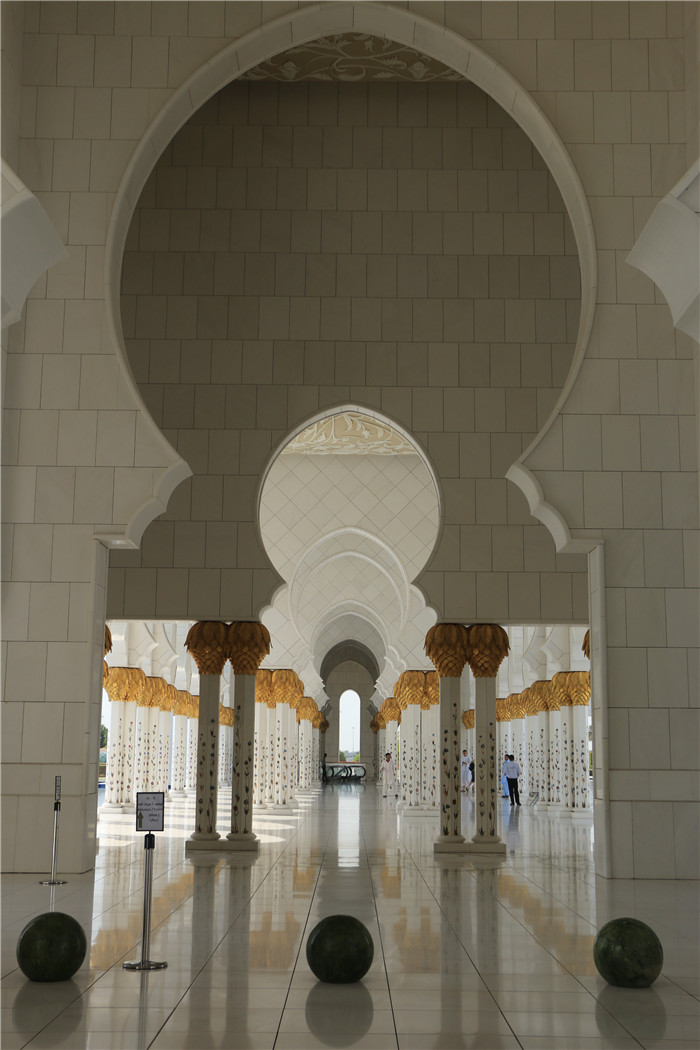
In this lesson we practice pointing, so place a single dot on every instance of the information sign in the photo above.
(150, 810)
(57, 789)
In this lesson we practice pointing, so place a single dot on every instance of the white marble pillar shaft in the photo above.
(164, 726)
(411, 749)
(191, 760)
(179, 758)
(450, 793)
(281, 756)
(555, 756)
(114, 788)
(241, 835)
(567, 769)
(260, 754)
(140, 749)
(271, 758)
(316, 755)
(207, 760)
(485, 762)
(519, 749)
(580, 772)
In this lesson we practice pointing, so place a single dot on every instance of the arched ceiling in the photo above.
(349, 516)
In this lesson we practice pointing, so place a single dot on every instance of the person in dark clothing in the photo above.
(512, 770)
(324, 774)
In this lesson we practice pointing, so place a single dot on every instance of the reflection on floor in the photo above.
(469, 952)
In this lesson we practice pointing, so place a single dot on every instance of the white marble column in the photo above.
(446, 646)
(164, 726)
(248, 644)
(260, 762)
(315, 755)
(486, 767)
(205, 833)
(179, 756)
(191, 760)
(581, 794)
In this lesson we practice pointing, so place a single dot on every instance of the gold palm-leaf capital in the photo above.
(487, 647)
(446, 647)
(207, 641)
(248, 645)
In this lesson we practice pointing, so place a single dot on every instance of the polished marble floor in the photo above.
(469, 951)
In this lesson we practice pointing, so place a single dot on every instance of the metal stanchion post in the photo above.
(145, 963)
(53, 881)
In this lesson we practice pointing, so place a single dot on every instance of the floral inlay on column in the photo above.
(446, 647)
(207, 641)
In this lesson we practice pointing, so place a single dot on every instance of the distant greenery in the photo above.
(103, 736)
(342, 757)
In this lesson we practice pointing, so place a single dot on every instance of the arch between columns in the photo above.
(410, 29)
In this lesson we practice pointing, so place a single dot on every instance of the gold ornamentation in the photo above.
(352, 57)
(284, 685)
(105, 673)
(117, 683)
(390, 710)
(307, 709)
(539, 691)
(207, 641)
(586, 647)
(560, 688)
(431, 694)
(409, 688)
(380, 720)
(349, 433)
(248, 645)
(516, 705)
(263, 687)
(324, 725)
(167, 697)
(469, 718)
(502, 709)
(446, 646)
(487, 647)
(108, 640)
(317, 721)
(374, 725)
(225, 715)
(182, 704)
(151, 692)
(579, 688)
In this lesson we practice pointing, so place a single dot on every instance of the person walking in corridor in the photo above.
(512, 770)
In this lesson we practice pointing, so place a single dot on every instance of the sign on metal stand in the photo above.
(53, 881)
(150, 816)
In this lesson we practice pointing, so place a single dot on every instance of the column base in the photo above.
(205, 840)
(420, 811)
(116, 807)
(580, 814)
(451, 844)
(179, 793)
(486, 847)
(248, 841)
(278, 807)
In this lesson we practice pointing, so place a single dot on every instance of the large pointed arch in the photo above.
(404, 27)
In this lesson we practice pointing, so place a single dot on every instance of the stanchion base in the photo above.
(145, 964)
(53, 882)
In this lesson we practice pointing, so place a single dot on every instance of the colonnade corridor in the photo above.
(470, 951)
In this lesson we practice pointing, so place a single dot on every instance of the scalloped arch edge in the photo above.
(552, 519)
(129, 538)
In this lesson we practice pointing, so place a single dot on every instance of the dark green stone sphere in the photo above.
(51, 947)
(339, 949)
(627, 953)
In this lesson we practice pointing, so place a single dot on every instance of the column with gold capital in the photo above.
(207, 641)
(248, 645)
(446, 646)
(487, 646)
